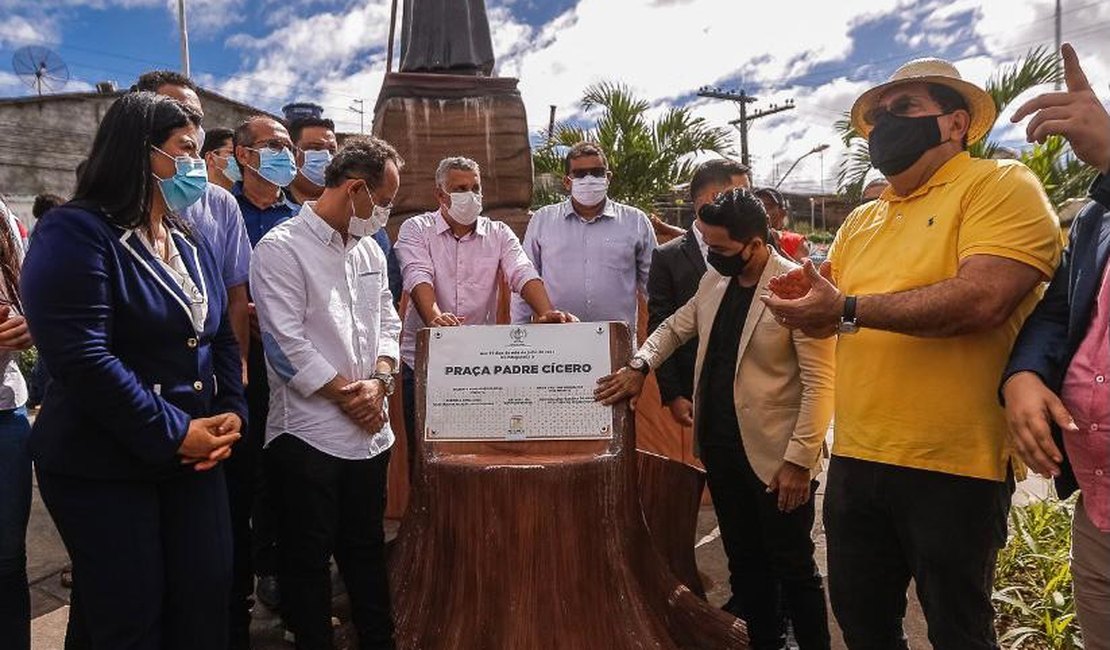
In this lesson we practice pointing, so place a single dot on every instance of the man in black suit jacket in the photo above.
(1054, 398)
(676, 270)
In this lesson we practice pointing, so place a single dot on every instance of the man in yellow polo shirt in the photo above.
(927, 287)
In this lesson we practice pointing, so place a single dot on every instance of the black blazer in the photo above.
(1052, 333)
(676, 270)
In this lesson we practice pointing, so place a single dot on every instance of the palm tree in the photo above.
(1062, 175)
(647, 158)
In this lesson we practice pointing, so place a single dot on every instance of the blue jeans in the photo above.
(15, 507)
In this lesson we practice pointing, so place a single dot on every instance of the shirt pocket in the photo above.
(368, 287)
(618, 253)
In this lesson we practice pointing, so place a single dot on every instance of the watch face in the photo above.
(636, 363)
(847, 327)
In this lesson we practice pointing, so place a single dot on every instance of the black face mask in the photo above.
(729, 266)
(897, 142)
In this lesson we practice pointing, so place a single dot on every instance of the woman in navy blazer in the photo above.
(129, 316)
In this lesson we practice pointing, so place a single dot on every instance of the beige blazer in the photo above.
(784, 379)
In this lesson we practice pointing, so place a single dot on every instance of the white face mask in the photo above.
(589, 190)
(465, 207)
(366, 227)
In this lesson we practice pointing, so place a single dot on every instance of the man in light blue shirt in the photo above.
(592, 252)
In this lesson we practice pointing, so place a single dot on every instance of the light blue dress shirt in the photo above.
(590, 268)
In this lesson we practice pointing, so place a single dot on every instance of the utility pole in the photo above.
(392, 31)
(184, 37)
(1058, 29)
(551, 125)
(361, 110)
(743, 99)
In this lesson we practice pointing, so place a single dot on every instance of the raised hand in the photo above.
(1075, 114)
(815, 312)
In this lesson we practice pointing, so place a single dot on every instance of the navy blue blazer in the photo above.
(114, 331)
(1052, 333)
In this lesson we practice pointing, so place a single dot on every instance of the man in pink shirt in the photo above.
(450, 260)
(1056, 386)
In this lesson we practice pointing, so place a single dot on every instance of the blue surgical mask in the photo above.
(231, 170)
(187, 185)
(276, 167)
(315, 162)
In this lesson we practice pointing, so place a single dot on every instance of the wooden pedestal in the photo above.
(540, 544)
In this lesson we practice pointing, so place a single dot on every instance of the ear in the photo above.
(567, 182)
(241, 153)
(960, 122)
(608, 176)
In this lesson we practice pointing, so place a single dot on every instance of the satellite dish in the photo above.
(40, 68)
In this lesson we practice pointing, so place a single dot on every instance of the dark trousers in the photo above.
(331, 506)
(408, 395)
(242, 471)
(15, 507)
(770, 554)
(151, 560)
(886, 524)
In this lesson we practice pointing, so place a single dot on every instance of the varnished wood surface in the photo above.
(554, 553)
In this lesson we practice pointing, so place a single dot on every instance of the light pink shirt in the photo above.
(463, 272)
(1086, 394)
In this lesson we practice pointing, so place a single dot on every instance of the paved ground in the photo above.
(49, 600)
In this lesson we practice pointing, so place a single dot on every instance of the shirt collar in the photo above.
(316, 224)
(947, 173)
(609, 210)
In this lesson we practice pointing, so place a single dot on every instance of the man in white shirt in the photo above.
(330, 334)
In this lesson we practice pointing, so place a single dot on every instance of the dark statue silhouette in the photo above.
(446, 37)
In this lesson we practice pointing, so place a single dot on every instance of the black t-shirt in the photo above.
(719, 425)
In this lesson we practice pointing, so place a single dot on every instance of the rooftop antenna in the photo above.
(40, 68)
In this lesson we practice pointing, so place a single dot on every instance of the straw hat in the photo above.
(937, 71)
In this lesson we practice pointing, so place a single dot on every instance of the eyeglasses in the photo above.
(272, 145)
(596, 172)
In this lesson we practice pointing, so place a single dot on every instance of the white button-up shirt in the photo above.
(325, 309)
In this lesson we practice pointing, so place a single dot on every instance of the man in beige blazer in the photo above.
(763, 398)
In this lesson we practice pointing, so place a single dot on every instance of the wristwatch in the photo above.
(639, 365)
(387, 381)
(848, 324)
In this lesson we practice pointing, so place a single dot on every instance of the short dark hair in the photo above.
(155, 79)
(718, 171)
(582, 150)
(361, 157)
(244, 133)
(300, 124)
(216, 138)
(949, 100)
(117, 177)
(740, 212)
(44, 203)
(772, 194)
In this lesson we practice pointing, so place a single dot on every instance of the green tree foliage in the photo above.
(647, 157)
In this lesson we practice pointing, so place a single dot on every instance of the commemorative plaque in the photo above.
(517, 382)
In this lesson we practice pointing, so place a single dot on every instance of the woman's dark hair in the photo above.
(44, 203)
(740, 212)
(117, 176)
(9, 258)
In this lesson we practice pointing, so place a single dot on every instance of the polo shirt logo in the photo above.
(932, 220)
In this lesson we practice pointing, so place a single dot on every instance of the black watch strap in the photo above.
(849, 315)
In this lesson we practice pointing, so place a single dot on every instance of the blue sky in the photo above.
(822, 55)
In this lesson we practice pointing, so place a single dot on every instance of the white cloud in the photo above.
(666, 49)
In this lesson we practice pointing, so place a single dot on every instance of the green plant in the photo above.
(27, 360)
(647, 158)
(1037, 67)
(1032, 584)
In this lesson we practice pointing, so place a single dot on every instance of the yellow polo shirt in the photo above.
(931, 403)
